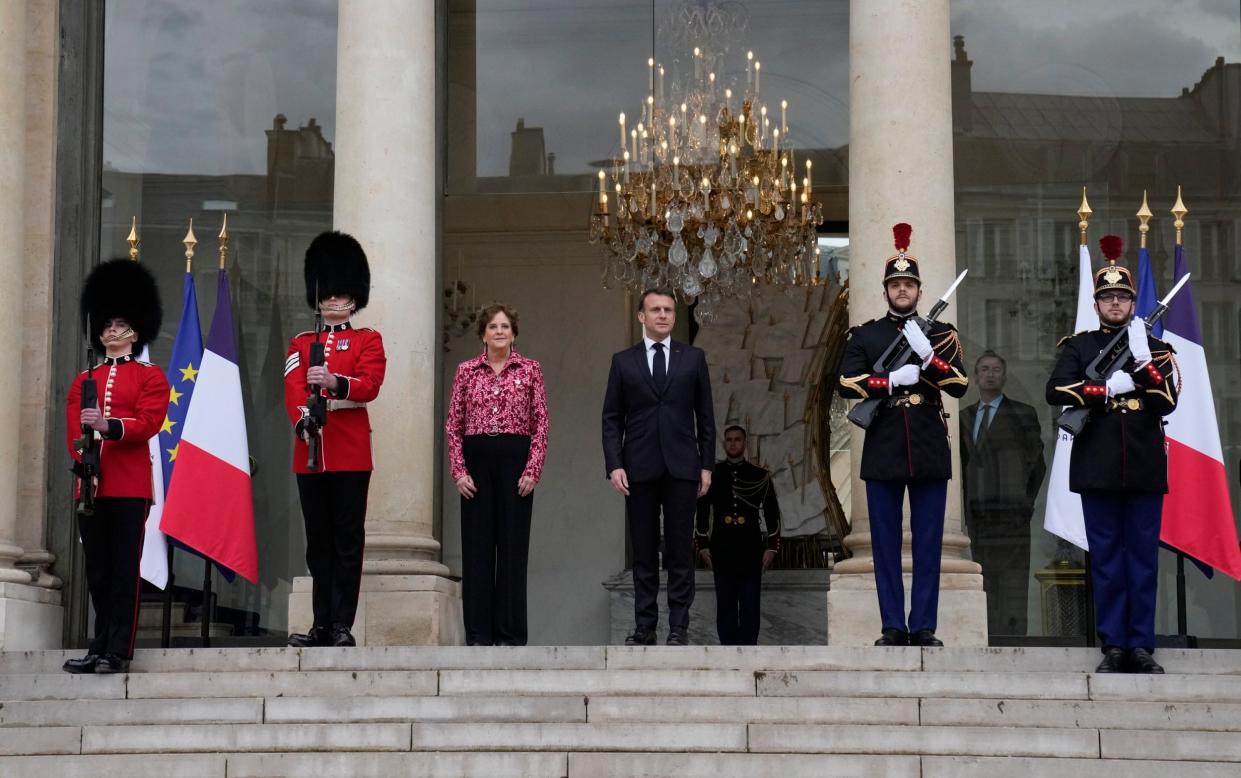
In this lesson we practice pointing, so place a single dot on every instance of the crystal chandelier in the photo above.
(703, 194)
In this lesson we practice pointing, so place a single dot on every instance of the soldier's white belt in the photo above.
(341, 405)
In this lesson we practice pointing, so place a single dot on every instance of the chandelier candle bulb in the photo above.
(758, 75)
(784, 124)
(711, 79)
(697, 64)
(626, 172)
(809, 177)
(728, 102)
(650, 80)
(622, 130)
(775, 141)
(661, 84)
(749, 77)
(633, 137)
(603, 205)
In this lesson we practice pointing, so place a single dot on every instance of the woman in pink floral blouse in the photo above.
(497, 442)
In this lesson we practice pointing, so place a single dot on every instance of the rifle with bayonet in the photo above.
(87, 446)
(896, 355)
(316, 407)
(1112, 357)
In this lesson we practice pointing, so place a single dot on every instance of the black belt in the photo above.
(1125, 404)
(908, 400)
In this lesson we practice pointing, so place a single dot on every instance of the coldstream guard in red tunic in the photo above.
(356, 357)
(133, 396)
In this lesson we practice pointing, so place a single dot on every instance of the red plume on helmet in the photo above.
(1112, 247)
(901, 233)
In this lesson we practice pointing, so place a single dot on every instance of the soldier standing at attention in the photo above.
(906, 447)
(333, 488)
(1119, 464)
(121, 313)
(738, 536)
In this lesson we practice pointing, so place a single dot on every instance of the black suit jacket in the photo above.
(649, 432)
(1004, 468)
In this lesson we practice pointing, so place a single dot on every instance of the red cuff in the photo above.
(940, 364)
(1155, 376)
(1095, 389)
(875, 382)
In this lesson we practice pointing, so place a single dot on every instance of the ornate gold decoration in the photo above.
(190, 242)
(132, 239)
(701, 195)
(223, 239)
(1083, 213)
(1144, 216)
(1112, 276)
(1178, 211)
(901, 265)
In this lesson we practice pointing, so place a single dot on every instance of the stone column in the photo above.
(385, 195)
(900, 169)
(30, 615)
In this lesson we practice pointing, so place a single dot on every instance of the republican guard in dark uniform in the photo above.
(333, 483)
(738, 536)
(906, 446)
(121, 313)
(1119, 464)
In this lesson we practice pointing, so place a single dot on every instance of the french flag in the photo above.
(1197, 511)
(210, 505)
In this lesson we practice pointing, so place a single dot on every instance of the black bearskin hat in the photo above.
(121, 289)
(336, 263)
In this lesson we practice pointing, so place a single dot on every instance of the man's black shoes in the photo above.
(1113, 660)
(317, 636)
(642, 636)
(893, 637)
(925, 637)
(341, 637)
(111, 663)
(1141, 661)
(678, 636)
(84, 665)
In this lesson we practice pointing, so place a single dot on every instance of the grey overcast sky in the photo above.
(190, 86)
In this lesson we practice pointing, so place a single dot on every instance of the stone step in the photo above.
(212, 738)
(328, 683)
(164, 660)
(948, 741)
(762, 658)
(770, 710)
(77, 713)
(1186, 746)
(580, 737)
(1061, 660)
(1018, 767)
(594, 682)
(126, 766)
(17, 741)
(1055, 686)
(419, 765)
(426, 709)
(627, 765)
(1203, 716)
(456, 658)
(1170, 688)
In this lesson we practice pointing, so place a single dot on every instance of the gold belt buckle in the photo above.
(1133, 404)
(915, 399)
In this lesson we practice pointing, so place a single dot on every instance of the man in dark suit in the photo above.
(1002, 460)
(659, 450)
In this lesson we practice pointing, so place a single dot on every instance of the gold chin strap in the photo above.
(349, 306)
(118, 338)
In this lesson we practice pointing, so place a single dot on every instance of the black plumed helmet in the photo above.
(121, 289)
(336, 265)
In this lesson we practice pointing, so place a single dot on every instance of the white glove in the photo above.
(903, 376)
(1139, 345)
(1120, 382)
(917, 340)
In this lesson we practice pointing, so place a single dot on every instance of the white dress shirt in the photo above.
(650, 353)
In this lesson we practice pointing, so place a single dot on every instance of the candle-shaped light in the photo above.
(728, 101)
(661, 83)
(620, 206)
(603, 198)
(762, 124)
(711, 82)
(697, 64)
(749, 70)
(784, 117)
(775, 140)
(652, 196)
(626, 167)
(633, 143)
(809, 177)
(706, 194)
(676, 172)
(622, 129)
(792, 190)
(758, 78)
(650, 80)
(732, 160)
(672, 131)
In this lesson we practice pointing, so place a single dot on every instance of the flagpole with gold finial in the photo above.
(1083, 213)
(190, 242)
(223, 236)
(132, 239)
(1144, 216)
(1178, 211)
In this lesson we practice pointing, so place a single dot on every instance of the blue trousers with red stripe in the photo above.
(885, 500)
(1122, 529)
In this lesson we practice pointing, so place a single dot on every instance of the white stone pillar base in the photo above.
(30, 617)
(853, 609)
(394, 610)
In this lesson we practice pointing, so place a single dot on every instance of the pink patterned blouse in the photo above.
(486, 403)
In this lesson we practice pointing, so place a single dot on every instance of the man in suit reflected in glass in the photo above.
(1003, 465)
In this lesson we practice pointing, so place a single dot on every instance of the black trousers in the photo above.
(495, 540)
(677, 498)
(737, 596)
(334, 510)
(112, 543)
(1001, 544)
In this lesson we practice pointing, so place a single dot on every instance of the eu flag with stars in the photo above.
(183, 365)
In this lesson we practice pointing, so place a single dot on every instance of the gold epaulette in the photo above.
(1067, 338)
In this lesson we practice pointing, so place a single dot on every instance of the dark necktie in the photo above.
(660, 367)
(985, 424)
